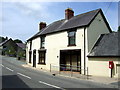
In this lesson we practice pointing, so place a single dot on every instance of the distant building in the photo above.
(10, 48)
(2, 39)
(21, 52)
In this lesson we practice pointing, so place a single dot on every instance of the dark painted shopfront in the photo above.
(70, 60)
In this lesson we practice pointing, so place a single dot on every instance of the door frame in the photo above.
(34, 58)
(30, 55)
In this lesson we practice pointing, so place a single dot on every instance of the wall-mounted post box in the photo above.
(111, 64)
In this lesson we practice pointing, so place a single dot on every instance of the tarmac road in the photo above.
(16, 76)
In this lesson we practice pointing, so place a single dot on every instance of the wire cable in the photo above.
(108, 7)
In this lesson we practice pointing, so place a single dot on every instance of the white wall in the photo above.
(59, 41)
(35, 45)
(100, 66)
(27, 51)
(53, 44)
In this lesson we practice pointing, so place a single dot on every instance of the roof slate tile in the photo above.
(61, 25)
(107, 45)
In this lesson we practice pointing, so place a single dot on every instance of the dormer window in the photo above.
(43, 42)
(71, 38)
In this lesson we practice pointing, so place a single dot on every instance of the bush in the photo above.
(10, 52)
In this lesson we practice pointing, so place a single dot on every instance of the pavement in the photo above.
(99, 79)
(115, 82)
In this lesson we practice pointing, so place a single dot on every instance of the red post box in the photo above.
(111, 64)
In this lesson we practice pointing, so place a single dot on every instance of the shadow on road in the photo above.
(116, 83)
(13, 82)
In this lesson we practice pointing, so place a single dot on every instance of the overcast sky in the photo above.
(20, 19)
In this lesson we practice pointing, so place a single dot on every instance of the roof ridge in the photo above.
(88, 12)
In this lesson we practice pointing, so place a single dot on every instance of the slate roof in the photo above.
(106, 45)
(4, 42)
(77, 21)
(21, 45)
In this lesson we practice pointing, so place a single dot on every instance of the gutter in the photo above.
(34, 37)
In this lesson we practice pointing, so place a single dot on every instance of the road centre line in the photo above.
(24, 75)
(9, 69)
(2, 65)
(49, 84)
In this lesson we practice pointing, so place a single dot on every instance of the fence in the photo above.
(69, 70)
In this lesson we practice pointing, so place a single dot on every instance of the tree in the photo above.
(10, 51)
(17, 41)
(119, 28)
(2, 39)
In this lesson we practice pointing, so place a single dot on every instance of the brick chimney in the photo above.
(69, 13)
(42, 25)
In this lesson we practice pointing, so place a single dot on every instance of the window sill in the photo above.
(42, 63)
(71, 45)
(42, 48)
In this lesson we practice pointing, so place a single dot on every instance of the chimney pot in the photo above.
(69, 13)
(42, 25)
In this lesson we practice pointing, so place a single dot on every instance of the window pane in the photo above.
(42, 54)
(43, 44)
(72, 40)
(42, 60)
(71, 33)
(41, 57)
(42, 39)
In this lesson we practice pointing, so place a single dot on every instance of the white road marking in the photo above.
(24, 75)
(9, 69)
(49, 84)
(2, 65)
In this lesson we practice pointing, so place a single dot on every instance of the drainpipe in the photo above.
(84, 52)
